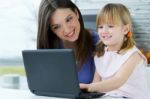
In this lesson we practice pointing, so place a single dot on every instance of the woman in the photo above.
(60, 25)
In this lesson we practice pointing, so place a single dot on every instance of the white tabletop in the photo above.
(6, 93)
(21, 94)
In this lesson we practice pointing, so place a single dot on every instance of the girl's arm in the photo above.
(96, 77)
(119, 78)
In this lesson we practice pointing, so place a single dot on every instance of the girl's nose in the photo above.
(105, 29)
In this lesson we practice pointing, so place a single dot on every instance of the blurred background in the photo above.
(18, 27)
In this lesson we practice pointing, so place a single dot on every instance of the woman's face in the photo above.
(65, 24)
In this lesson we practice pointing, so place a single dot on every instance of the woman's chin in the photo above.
(73, 39)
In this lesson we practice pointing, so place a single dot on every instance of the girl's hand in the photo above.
(84, 86)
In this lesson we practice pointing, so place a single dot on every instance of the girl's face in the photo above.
(112, 35)
(65, 24)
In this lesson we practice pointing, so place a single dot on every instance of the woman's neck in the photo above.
(70, 45)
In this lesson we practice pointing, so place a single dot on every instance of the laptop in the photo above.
(52, 72)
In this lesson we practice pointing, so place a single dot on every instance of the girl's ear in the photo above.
(126, 29)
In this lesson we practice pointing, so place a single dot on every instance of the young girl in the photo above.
(120, 66)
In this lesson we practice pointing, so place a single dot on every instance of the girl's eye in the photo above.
(100, 26)
(69, 18)
(110, 26)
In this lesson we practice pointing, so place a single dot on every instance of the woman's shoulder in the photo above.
(94, 36)
(93, 32)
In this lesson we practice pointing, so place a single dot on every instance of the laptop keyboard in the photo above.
(88, 95)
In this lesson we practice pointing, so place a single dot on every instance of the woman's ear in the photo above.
(77, 13)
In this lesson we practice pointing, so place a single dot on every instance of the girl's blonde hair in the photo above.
(118, 14)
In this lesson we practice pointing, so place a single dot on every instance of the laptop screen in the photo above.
(51, 72)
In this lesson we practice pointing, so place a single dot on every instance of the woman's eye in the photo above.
(69, 19)
(55, 27)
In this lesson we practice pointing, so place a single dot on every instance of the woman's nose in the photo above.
(66, 29)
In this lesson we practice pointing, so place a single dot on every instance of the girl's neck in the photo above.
(113, 48)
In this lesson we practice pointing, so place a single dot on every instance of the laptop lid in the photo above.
(51, 72)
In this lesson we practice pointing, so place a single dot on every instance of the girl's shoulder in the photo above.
(135, 53)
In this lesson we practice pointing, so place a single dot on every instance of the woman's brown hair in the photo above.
(46, 39)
